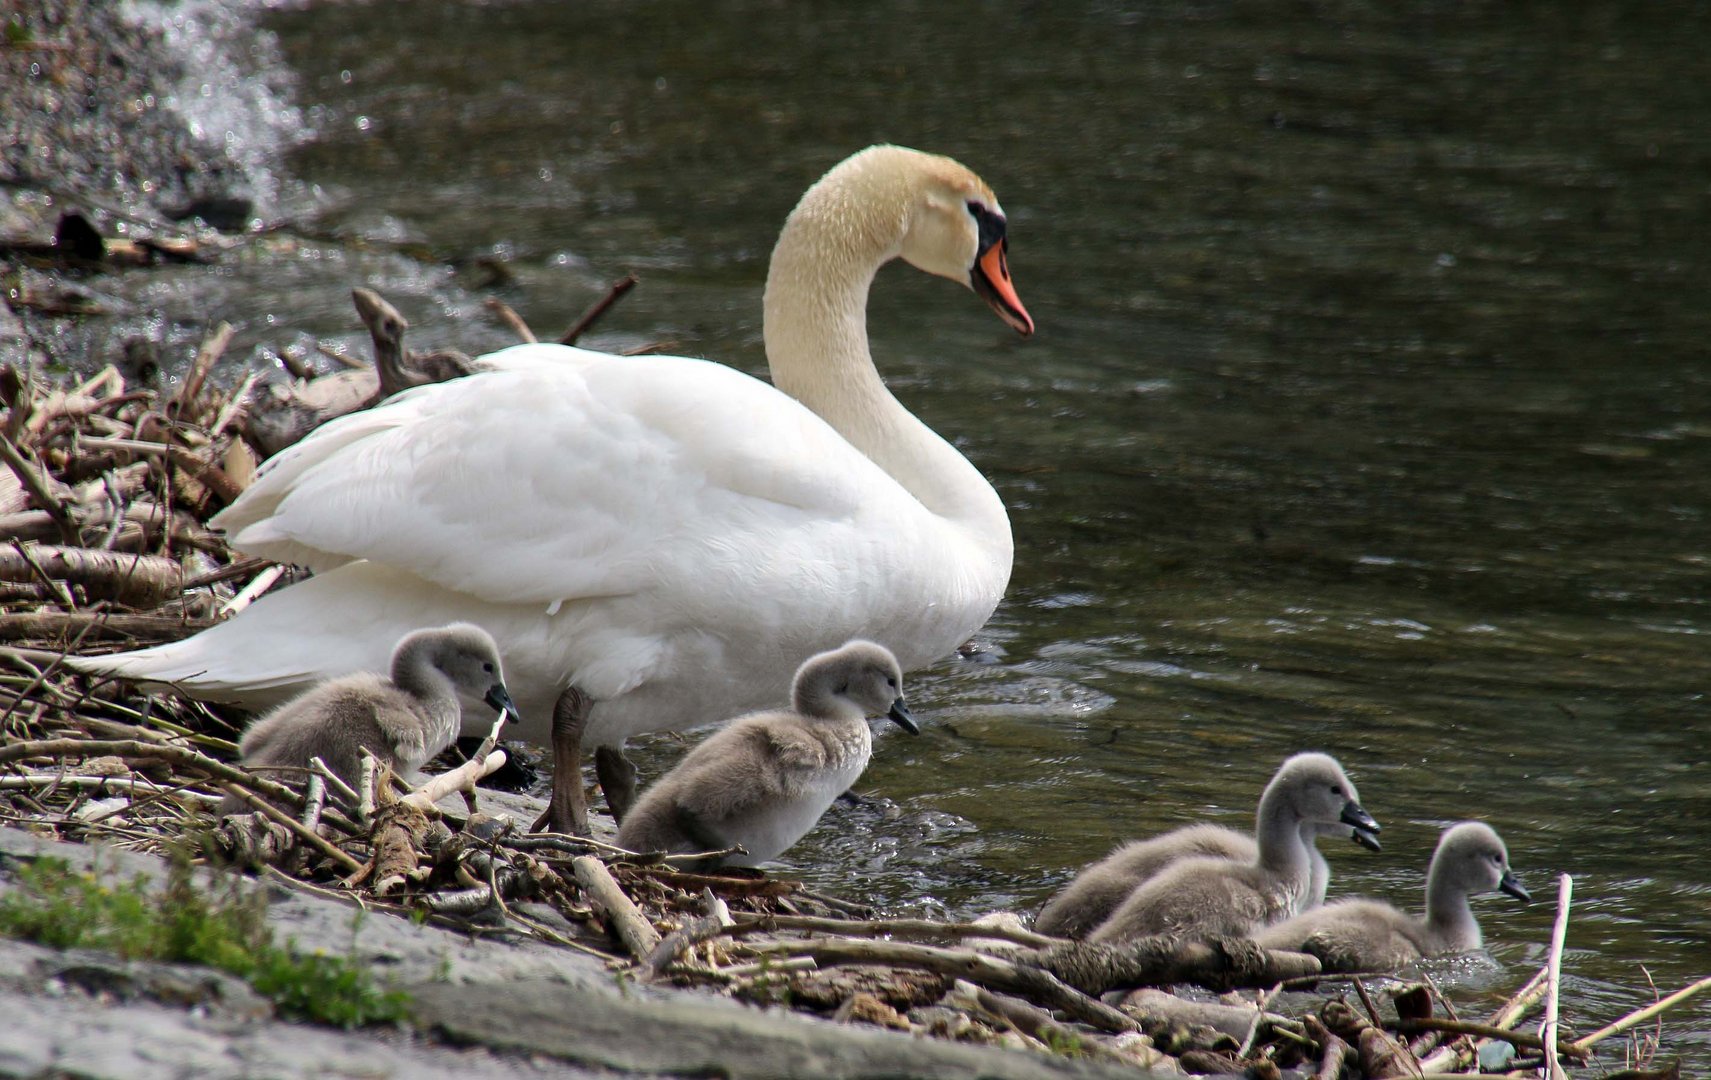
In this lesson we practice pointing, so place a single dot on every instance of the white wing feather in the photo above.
(594, 476)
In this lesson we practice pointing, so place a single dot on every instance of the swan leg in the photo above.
(617, 775)
(567, 809)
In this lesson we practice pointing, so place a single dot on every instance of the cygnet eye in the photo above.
(487, 668)
(1336, 789)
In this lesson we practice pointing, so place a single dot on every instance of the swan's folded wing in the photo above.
(542, 484)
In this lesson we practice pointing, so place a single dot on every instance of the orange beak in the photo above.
(991, 279)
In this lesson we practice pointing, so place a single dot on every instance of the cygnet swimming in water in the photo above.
(764, 780)
(403, 720)
(1097, 891)
(1205, 897)
(1369, 935)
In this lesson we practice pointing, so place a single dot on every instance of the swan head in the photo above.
(957, 230)
(1476, 861)
(886, 202)
(856, 680)
(466, 655)
(1313, 788)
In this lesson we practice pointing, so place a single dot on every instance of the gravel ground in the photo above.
(100, 111)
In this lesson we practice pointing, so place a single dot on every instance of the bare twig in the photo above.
(37, 485)
(313, 839)
(252, 592)
(1520, 1039)
(370, 778)
(598, 309)
(1559, 933)
(212, 349)
(1333, 1052)
(314, 801)
(344, 790)
(513, 321)
(1259, 1016)
(1640, 1016)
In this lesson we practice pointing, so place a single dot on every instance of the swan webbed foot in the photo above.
(617, 775)
(567, 808)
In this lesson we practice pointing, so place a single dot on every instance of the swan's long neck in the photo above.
(415, 672)
(1449, 915)
(845, 228)
(1279, 833)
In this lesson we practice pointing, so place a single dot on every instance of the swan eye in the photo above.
(487, 668)
(1336, 789)
(988, 224)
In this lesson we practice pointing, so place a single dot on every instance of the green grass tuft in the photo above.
(54, 905)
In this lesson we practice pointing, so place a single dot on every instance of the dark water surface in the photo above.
(1370, 409)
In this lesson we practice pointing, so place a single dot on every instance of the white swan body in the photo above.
(666, 535)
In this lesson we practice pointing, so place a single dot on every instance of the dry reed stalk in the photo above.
(1553, 983)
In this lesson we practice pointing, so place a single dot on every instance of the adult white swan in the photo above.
(655, 542)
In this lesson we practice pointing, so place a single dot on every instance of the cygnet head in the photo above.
(465, 654)
(1313, 788)
(855, 681)
(1472, 859)
(952, 225)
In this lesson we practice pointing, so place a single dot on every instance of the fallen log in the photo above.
(136, 580)
(1217, 964)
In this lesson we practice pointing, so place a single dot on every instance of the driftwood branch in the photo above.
(1218, 964)
(632, 928)
(1036, 983)
(1334, 1051)
(138, 580)
(49, 624)
(484, 762)
(904, 928)
(1519, 1039)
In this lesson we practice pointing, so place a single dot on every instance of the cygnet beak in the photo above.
(1360, 819)
(1366, 840)
(499, 699)
(1512, 885)
(899, 715)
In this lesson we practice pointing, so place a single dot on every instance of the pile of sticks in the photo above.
(103, 543)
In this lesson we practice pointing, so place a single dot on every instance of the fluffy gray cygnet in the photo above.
(1206, 897)
(762, 781)
(1369, 935)
(1100, 888)
(403, 720)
